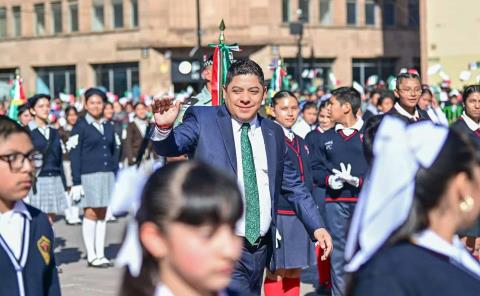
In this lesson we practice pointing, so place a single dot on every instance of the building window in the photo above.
(73, 15)
(17, 21)
(117, 8)
(326, 12)
(413, 13)
(285, 11)
(98, 23)
(118, 78)
(57, 17)
(3, 22)
(364, 68)
(389, 13)
(370, 12)
(40, 19)
(351, 12)
(56, 80)
(313, 70)
(304, 10)
(134, 18)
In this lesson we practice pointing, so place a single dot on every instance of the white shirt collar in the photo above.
(89, 118)
(237, 125)
(357, 126)
(469, 122)
(288, 132)
(162, 290)
(32, 125)
(405, 113)
(455, 250)
(18, 208)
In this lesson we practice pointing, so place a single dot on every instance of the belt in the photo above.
(260, 242)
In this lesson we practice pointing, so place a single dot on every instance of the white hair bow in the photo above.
(387, 196)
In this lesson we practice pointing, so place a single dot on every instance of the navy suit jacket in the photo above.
(206, 134)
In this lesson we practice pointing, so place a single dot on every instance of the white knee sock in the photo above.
(74, 213)
(88, 231)
(100, 230)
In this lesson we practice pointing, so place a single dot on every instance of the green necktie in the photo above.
(252, 214)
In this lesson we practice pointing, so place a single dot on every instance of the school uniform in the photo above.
(431, 266)
(50, 184)
(294, 248)
(419, 114)
(335, 146)
(27, 261)
(136, 132)
(65, 132)
(94, 158)
(467, 126)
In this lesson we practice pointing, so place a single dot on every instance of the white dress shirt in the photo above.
(347, 131)
(141, 125)
(261, 168)
(97, 124)
(405, 113)
(11, 227)
(288, 132)
(45, 131)
(454, 250)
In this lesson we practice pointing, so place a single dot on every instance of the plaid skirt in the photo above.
(50, 197)
(98, 188)
(295, 249)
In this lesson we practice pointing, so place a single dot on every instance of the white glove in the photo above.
(346, 176)
(76, 193)
(335, 182)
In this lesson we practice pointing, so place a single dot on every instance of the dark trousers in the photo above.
(339, 215)
(248, 273)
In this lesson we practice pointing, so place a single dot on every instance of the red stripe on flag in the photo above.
(215, 77)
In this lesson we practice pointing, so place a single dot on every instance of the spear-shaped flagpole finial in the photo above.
(221, 39)
(17, 72)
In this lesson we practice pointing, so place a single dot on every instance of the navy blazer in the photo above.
(40, 275)
(93, 151)
(206, 134)
(53, 163)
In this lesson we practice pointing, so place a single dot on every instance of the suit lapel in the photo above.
(271, 151)
(224, 122)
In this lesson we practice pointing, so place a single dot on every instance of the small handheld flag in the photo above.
(18, 97)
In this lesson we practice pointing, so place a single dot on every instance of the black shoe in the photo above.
(96, 263)
(105, 261)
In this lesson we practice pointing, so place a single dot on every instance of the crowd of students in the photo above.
(393, 183)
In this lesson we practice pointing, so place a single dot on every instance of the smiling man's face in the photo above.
(243, 97)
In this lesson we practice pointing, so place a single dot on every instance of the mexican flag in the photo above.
(279, 79)
(17, 94)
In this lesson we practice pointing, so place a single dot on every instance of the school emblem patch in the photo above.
(44, 245)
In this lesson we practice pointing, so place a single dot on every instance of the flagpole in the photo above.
(221, 40)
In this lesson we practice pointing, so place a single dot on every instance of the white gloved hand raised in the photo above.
(335, 182)
(345, 175)
(76, 193)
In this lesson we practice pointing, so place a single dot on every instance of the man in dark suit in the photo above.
(235, 139)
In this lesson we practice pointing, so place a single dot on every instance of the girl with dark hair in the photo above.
(294, 250)
(71, 116)
(27, 260)
(469, 124)
(408, 91)
(24, 116)
(423, 187)
(185, 228)
(94, 158)
(48, 192)
(429, 103)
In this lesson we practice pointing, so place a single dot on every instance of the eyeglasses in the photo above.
(16, 160)
(415, 91)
